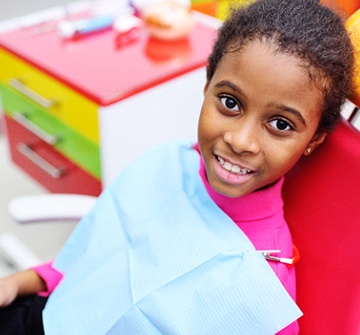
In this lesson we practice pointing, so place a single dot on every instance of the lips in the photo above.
(232, 167)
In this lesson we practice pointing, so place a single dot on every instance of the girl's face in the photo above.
(260, 114)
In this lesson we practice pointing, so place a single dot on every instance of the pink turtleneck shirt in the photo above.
(260, 216)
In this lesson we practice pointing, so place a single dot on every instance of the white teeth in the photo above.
(235, 169)
(232, 168)
(227, 166)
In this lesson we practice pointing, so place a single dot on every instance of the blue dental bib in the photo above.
(157, 256)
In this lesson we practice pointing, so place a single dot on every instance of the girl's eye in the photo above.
(229, 103)
(280, 124)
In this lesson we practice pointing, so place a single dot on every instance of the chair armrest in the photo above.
(16, 253)
(50, 207)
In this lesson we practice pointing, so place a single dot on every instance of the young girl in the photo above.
(176, 245)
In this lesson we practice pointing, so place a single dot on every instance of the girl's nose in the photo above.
(243, 139)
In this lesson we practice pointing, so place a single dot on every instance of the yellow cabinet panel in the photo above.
(54, 97)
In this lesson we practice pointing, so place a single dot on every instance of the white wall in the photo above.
(14, 8)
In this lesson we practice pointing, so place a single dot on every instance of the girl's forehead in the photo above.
(270, 45)
(259, 50)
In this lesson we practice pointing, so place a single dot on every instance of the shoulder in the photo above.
(164, 161)
(172, 148)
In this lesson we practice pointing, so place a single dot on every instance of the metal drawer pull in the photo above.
(26, 123)
(43, 164)
(19, 86)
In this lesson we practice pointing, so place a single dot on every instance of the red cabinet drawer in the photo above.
(45, 164)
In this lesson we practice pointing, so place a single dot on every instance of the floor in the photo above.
(45, 239)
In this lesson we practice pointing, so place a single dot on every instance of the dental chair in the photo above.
(322, 207)
(322, 200)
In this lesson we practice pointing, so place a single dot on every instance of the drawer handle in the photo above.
(28, 152)
(19, 86)
(26, 123)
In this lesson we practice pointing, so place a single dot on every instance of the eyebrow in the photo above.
(227, 83)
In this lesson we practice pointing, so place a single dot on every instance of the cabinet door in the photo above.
(45, 164)
(78, 149)
(51, 95)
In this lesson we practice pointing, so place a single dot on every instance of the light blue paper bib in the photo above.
(157, 256)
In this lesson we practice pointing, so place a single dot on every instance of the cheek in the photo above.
(283, 159)
(206, 126)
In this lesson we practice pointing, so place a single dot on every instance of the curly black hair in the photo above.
(305, 29)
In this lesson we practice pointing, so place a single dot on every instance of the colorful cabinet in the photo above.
(78, 111)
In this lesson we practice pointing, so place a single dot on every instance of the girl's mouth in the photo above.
(233, 168)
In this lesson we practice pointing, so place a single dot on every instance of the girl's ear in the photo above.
(314, 143)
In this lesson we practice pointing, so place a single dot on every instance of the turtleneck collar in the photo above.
(254, 206)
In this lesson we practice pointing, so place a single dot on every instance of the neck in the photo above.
(258, 204)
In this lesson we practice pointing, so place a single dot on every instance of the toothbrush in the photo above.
(69, 29)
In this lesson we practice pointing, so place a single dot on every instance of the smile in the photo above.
(232, 168)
